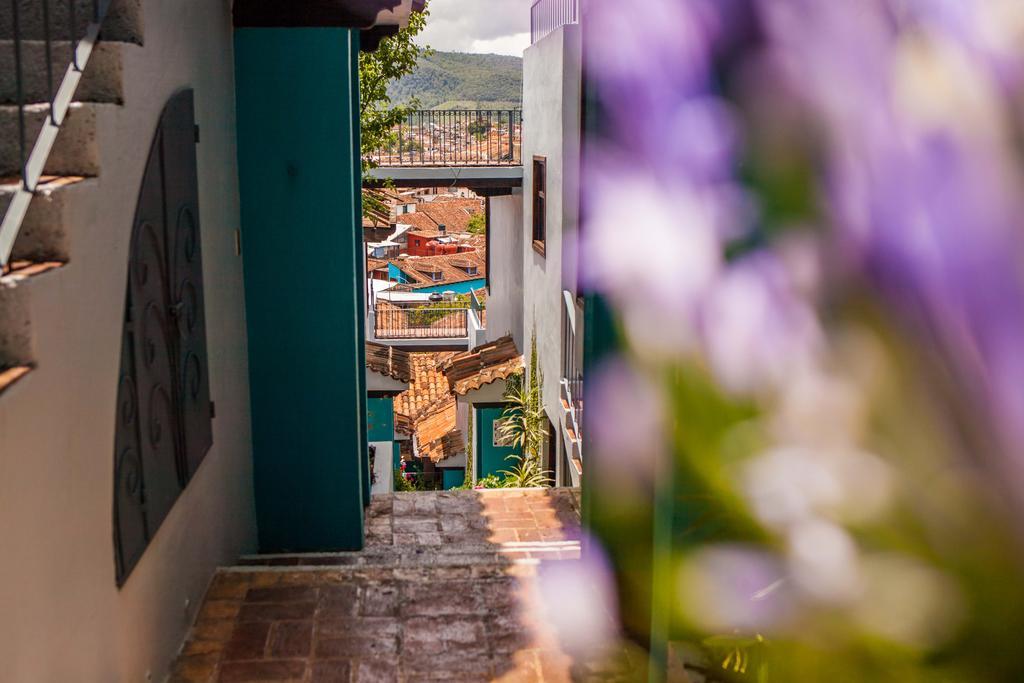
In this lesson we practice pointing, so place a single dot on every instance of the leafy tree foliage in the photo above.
(477, 224)
(397, 56)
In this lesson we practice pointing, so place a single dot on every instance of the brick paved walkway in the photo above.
(444, 591)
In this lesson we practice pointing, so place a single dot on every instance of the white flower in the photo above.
(823, 563)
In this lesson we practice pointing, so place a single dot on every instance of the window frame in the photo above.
(539, 220)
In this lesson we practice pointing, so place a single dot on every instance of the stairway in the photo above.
(446, 589)
(70, 176)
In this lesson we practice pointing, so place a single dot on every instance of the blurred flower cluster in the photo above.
(820, 386)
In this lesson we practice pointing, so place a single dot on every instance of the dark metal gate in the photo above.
(164, 427)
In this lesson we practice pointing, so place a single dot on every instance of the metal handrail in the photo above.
(547, 16)
(477, 137)
(572, 380)
(33, 159)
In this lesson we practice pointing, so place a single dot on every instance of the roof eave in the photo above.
(358, 14)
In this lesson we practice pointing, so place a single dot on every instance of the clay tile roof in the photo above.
(437, 436)
(427, 387)
(454, 214)
(373, 264)
(452, 267)
(485, 364)
(389, 361)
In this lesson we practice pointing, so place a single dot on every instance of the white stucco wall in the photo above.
(551, 113)
(64, 618)
(378, 382)
(382, 468)
(505, 300)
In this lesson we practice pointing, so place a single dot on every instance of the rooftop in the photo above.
(452, 268)
(470, 370)
(427, 386)
(389, 361)
(437, 436)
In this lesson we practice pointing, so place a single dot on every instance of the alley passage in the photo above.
(444, 591)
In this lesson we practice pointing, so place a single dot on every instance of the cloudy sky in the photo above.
(499, 26)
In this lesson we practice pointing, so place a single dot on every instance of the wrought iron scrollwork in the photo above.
(164, 426)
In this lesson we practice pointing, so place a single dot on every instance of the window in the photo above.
(540, 203)
(500, 437)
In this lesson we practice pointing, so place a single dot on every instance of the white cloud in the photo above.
(498, 26)
(505, 45)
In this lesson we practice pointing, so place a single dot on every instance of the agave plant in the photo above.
(524, 425)
(525, 474)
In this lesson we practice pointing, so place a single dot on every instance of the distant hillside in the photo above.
(449, 80)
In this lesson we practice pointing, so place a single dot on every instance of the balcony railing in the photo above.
(572, 380)
(547, 16)
(489, 137)
(424, 322)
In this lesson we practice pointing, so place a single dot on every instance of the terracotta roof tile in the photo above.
(389, 361)
(483, 365)
(427, 386)
(437, 436)
(454, 214)
(453, 268)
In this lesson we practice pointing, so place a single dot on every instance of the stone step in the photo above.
(12, 375)
(123, 21)
(101, 82)
(75, 153)
(446, 555)
(44, 234)
(15, 312)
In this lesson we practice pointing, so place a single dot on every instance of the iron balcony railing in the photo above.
(572, 368)
(486, 137)
(68, 26)
(423, 322)
(547, 16)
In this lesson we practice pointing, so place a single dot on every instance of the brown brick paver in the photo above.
(445, 590)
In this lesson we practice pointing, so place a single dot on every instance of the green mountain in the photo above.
(455, 80)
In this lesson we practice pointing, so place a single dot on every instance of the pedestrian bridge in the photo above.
(479, 149)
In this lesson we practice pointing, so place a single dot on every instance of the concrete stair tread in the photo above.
(76, 152)
(45, 231)
(12, 375)
(101, 82)
(122, 23)
(47, 183)
(24, 269)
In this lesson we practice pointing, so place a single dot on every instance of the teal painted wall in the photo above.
(359, 250)
(395, 273)
(298, 170)
(459, 287)
(492, 458)
(380, 417)
(397, 462)
(453, 478)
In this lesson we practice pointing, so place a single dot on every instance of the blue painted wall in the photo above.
(380, 416)
(298, 167)
(459, 287)
(452, 478)
(395, 273)
(492, 459)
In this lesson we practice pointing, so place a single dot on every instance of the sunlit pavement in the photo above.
(445, 590)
